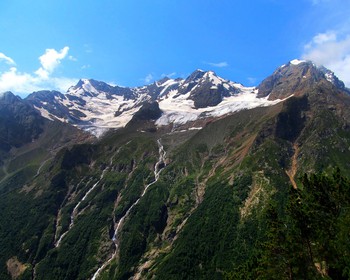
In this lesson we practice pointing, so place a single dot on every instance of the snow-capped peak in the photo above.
(87, 86)
(297, 61)
(97, 106)
(213, 78)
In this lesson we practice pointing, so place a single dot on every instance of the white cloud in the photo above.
(42, 79)
(7, 59)
(50, 60)
(62, 83)
(12, 80)
(218, 64)
(332, 51)
(323, 38)
(24, 83)
(149, 78)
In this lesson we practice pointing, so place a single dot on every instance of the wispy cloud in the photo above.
(88, 48)
(218, 64)
(331, 50)
(24, 83)
(7, 59)
(170, 75)
(149, 78)
(72, 58)
(252, 80)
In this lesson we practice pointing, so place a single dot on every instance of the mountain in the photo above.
(27, 140)
(241, 183)
(96, 106)
(296, 76)
(19, 122)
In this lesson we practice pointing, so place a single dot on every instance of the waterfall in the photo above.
(157, 169)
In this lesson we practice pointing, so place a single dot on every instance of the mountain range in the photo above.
(196, 178)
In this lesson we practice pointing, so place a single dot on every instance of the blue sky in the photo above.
(47, 44)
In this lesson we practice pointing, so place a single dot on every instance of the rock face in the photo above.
(97, 106)
(228, 198)
(207, 89)
(148, 111)
(19, 122)
(295, 77)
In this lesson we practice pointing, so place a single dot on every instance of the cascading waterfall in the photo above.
(60, 211)
(75, 210)
(157, 169)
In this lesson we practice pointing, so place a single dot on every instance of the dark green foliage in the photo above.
(79, 154)
(250, 224)
(17, 179)
(326, 141)
(327, 206)
(30, 234)
(203, 249)
(312, 233)
(291, 121)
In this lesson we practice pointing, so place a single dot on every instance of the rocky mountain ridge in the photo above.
(96, 106)
(259, 192)
(296, 76)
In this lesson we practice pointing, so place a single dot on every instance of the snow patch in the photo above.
(215, 80)
(101, 111)
(44, 113)
(87, 86)
(297, 61)
(329, 76)
(180, 111)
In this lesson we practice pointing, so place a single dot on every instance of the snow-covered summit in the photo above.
(297, 61)
(97, 106)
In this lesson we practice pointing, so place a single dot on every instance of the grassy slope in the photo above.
(206, 218)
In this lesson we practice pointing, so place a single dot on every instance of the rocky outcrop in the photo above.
(295, 77)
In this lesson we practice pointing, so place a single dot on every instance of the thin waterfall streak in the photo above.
(75, 210)
(159, 166)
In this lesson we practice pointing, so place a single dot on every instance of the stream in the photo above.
(75, 210)
(117, 225)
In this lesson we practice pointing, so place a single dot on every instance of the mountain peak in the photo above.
(79, 84)
(195, 76)
(8, 96)
(297, 61)
(296, 77)
(163, 80)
